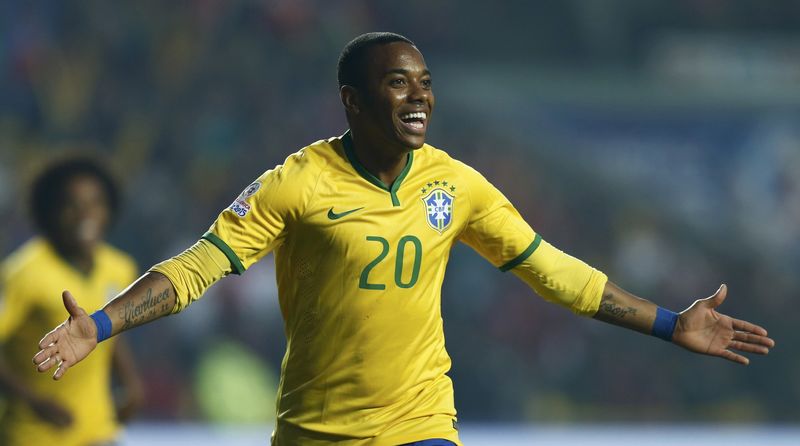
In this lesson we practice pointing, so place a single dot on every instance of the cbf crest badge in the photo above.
(439, 209)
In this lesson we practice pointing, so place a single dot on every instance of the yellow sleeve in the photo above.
(193, 271)
(499, 233)
(494, 228)
(255, 223)
(562, 279)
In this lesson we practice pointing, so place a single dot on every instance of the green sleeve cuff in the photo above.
(236, 264)
(516, 261)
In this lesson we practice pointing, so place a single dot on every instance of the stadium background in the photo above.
(658, 141)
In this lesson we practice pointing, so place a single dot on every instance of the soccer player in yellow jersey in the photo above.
(362, 226)
(72, 202)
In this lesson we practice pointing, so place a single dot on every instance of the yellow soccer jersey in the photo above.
(30, 305)
(360, 267)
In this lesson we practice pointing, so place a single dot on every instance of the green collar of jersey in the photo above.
(347, 140)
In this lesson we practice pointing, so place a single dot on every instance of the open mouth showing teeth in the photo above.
(414, 120)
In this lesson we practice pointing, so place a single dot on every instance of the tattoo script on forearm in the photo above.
(622, 308)
(148, 308)
(614, 310)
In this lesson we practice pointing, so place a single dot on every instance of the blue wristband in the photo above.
(103, 324)
(664, 325)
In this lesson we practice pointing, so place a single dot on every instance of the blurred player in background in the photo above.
(362, 226)
(73, 201)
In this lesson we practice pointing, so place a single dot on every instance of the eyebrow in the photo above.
(403, 71)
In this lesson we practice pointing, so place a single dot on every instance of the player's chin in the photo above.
(410, 140)
(416, 143)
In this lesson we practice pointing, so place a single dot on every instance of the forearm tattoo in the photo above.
(614, 310)
(150, 307)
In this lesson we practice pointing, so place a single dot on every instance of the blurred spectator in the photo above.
(73, 202)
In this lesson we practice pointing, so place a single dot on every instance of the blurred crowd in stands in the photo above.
(189, 101)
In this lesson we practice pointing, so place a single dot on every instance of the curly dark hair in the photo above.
(47, 191)
(350, 69)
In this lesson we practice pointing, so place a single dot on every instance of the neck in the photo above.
(82, 259)
(385, 164)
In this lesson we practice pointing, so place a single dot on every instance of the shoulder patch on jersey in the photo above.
(438, 205)
(249, 191)
(240, 208)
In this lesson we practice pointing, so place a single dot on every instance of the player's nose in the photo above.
(419, 94)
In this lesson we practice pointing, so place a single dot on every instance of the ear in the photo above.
(350, 99)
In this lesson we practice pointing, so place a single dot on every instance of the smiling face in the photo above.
(392, 109)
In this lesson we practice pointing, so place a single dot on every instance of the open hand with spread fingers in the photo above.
(702, 329)
(68, 343)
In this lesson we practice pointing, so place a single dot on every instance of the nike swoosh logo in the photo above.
(334, 216)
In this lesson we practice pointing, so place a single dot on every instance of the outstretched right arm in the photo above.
(167, 288)
(150, 297)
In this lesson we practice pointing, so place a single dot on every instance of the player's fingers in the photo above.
(48, 364)
(61, 370)
(753, 339)
(44, 354)
(71, 304)
(749, 327)
(731, 356)
(749, 348)
(49, 338)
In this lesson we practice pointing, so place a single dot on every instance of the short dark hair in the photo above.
(47, 191)
(350, 69)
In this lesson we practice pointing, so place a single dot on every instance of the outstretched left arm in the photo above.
(699, 328)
